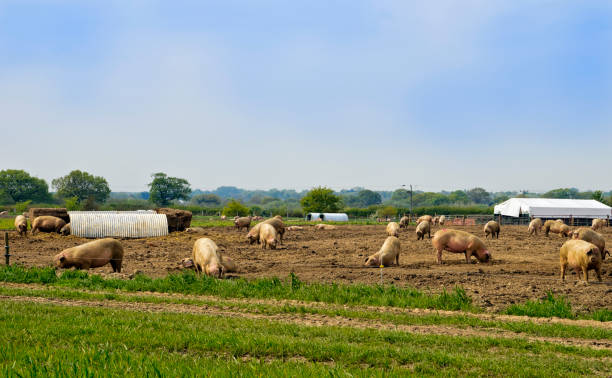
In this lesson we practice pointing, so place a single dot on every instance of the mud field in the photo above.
(522, 268)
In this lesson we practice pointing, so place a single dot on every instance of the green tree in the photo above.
(321, 200)
(561, 193)
(208, 200)
(598, 196)
(82, 185)
(367, 198)
(479, 195)
(234, 208)
(19, 186)
(459, 197)
(400, 195)
(164, 189)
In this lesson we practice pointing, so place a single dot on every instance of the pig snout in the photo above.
(486, 256)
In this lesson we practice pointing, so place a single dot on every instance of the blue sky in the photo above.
(262, 94)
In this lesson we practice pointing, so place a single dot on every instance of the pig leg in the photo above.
(397, 260)
(116, 264)
(429, 233)
(563, 266)
(439, 256)
(598, 272)
(468, 256)
(585, 273)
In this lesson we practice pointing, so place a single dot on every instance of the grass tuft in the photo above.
(189, 283)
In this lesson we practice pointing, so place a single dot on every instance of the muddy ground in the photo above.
(523, 267)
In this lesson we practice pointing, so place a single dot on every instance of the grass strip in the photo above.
(557, 306)
(189, 283)
(99, 341)
(457, 321)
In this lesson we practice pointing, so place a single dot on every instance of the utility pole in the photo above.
(411, 201)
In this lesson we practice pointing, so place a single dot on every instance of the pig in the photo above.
(534, 226)
(586, 234)
(389, 251)
(442, 220)
(404, 222)
(267, 236)
(253, 234)
(556, 227)
(598, 223)
(242, 222)
(422, 218)
(47, 223)
(21, 224)
(277, 223)
(223, 217)
(560, 228)
(294, 228)
(582, 256)
(195, 230)
(460, 242)
(435, 220)
(65, 230)
(322, 226)
(228, 264)
(422, 229)
(393, 229)
(206, 258)
(492, 228)
(93, 254)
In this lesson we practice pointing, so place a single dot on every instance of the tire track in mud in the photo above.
(316, 320)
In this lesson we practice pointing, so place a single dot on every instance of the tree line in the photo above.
(82, 190)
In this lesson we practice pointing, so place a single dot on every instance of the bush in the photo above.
(72, 203)
(21, 207)
(234, 207)
(387, 211)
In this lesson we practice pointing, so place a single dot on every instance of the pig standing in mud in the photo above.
(460, 242)
(389, 251)
(588, 235)
(93, 254)
(393, 229)
(422, 229)
(206, 258)
(47, 223)
(267, 236)
(21, 224)
(424, 218)
(491, 228)
(534, 226)
(581, 256)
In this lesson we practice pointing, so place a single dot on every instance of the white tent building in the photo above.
(553, 208)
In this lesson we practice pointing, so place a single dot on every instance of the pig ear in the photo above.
(589, 253)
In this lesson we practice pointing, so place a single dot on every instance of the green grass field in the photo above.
(105, 341)
(183, 325)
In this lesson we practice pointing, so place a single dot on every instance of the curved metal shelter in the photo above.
(120, 224)
(327, 217)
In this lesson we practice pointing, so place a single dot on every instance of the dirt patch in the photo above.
(523, 267)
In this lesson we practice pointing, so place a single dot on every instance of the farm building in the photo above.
(327, 217)
(122, 224)
(575, 211)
